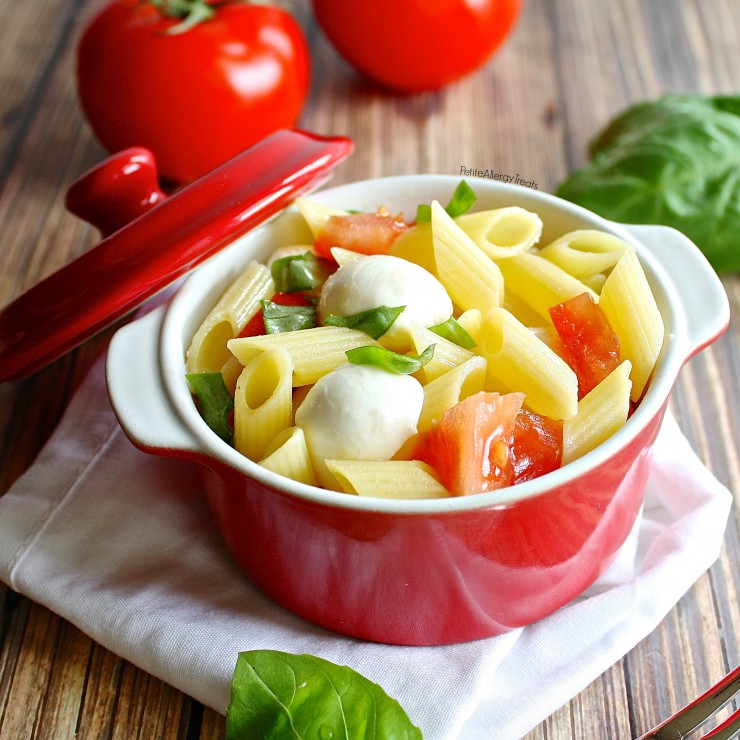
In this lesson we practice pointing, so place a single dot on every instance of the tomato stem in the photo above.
(191, 12)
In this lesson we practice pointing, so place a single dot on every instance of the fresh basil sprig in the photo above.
(461, 202)
(386, 359)
(277, 695)
(214, 401)
(674, 161)
(279, 318)
(374, 321)
(299, 272)
(452, 330)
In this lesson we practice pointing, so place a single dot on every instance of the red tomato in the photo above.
(538, 445)
(591, 347)
(369, 233)
(256, 325)
(415, 45)
(195, 98)
(470, 446)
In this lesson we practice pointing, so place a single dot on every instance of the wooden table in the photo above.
(571, 65)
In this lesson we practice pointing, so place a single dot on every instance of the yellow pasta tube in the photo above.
(207, 351)
(399, 479)
(502, 232)
(538, 283)
(447, 354)
(601, 412)
(263, 402)
(471, 320)
(416, 245)
(520, 361)
(630, 307)
(287, 455)
(471, 278)
(314, 352)
(345, 256)
(448, 389)
(316, 214)
(585, 252)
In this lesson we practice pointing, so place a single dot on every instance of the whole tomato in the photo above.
(195, 90)
(416, 45)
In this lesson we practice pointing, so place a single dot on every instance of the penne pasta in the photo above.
(402, 479)
(601, 412)
(630, 307)
(314, 352)
(447, 354)
(502, 232)
(207, 351)
(345, 256)
(416, 245)
(586, 252)
(287, 455)
(471, 278)
(519, 361)
(538, 283)
(316, 214)
(450, 388)
(263, 402)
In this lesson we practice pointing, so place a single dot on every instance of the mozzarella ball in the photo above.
(384, 280)
(359, 412)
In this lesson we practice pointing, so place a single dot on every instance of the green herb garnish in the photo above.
(461, 202)
(386, 359)
(279, 318)
(452, 331)
(299, 272)
(282, 695)
(375, 321)
(674, 161)
(214, 401)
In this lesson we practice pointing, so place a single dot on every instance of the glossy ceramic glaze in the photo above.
(416, 572)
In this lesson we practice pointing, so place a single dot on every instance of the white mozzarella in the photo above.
(384, 280)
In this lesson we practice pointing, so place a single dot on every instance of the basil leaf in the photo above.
(674, 161)
(280, 318)
(277, 695)
(461, 202)
(386, 359)
(214, 402)
(375, 321)
(299, 272)
(452, 330)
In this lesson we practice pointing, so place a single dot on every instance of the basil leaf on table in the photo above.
(214, 400)
(674, 161)
(461, 202)
(277, 696)
(375, 321)
(389, 360)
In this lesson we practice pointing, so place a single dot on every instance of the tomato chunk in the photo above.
(368, 233)
(590, 344)
(538, 445)
(255, 327)
(470, 446)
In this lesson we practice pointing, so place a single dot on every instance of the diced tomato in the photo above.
(256, 326)
(538, 445)
(470, 446)
(590, 344)
(368, 233)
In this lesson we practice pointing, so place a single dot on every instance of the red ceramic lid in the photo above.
(151, 239)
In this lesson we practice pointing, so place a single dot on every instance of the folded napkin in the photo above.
(120, 543)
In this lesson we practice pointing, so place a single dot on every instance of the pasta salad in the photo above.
(446, 356)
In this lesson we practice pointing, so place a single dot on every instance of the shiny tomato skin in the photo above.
(195, 98)
(470, 446)
(416, 45)
(367, 233)
(537, 447)
(590, 345)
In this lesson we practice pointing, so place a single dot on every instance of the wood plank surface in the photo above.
(570, 66)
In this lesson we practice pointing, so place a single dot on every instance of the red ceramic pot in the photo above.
(416, 572)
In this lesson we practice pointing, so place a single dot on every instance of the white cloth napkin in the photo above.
(120, 543)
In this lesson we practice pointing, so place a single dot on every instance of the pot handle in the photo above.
(137, 393)
(699, 289)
